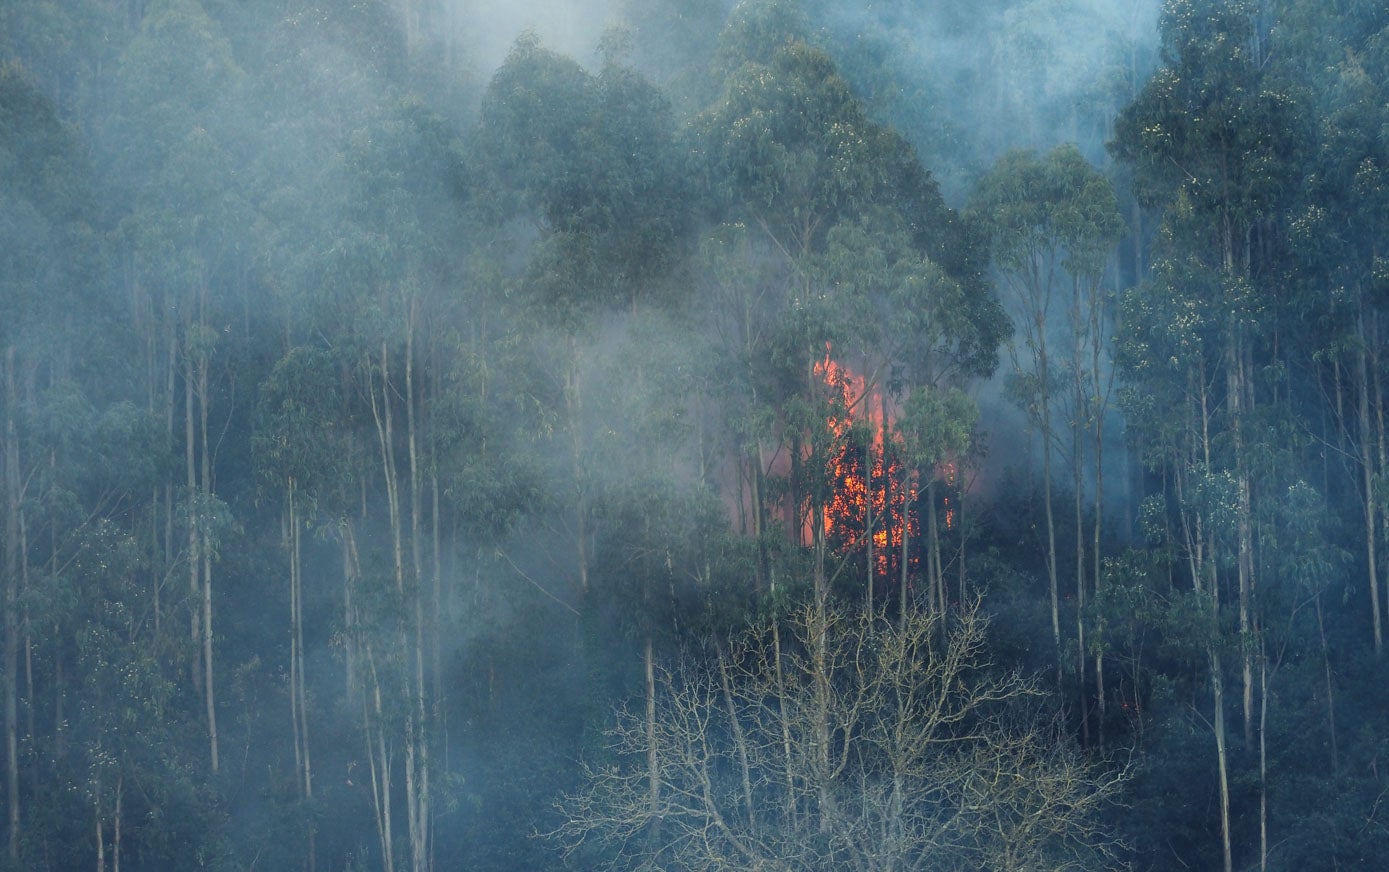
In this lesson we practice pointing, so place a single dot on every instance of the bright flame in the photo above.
(948, 472)
(870, 489)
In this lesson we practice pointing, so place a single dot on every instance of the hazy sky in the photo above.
(572, 28)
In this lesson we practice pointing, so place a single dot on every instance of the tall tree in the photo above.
(47, 270)
(1052, 221)
(858, 237)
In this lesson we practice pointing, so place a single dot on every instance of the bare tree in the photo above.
(930, 760)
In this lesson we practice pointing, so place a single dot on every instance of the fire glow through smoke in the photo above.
(871, 491)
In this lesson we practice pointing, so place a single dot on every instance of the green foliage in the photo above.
(46, 205)
(937, 426)
(1059, 202)
(1211, 123)
(788, 142)
(590, 158)
(294, 443)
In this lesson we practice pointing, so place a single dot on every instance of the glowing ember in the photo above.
(948, 472)
(871, 491)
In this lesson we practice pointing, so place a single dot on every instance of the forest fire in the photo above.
(871, 490)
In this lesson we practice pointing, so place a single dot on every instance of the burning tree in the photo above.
(857, 743)
(868, 507)
(889, 467)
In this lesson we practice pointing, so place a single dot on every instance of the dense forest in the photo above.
(679, 434)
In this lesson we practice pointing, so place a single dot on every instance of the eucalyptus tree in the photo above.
(800, 176)
(808, 183)
(1215, 130)
(1213, 141)
(49, 268)
(585, 163)
(103, 730)
(1052, 221)
(936, 426)
(169, 164)
(121, 743)
(930, 332)
(588, 161)
(386, 276)
(299, 459)
(1170, 350)
(66, 49)
(1335, 238)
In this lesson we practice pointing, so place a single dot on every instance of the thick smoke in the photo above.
(967, 82)
(488, 28)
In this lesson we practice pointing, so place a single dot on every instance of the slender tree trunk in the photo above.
(298, 690)
(437, 609)
(1236, 386)
(1095, 547)
(1201, 551)
(167, 409)
(1263, 758)
(1078, 482)
(206, 553)
(299, 650)
(960, 501)
(1051, 537)
(385, 434)
(902, 592)
(116, 827)
(59, 721)
(1330, 689)
(739, 738)
(1369, 495)
(1217, 674)
(379, 760)
(290, 522)
(413, 789)
(934, 582)
(419, 735)
(937, 557)
(100, 839)
(207, 661)
(1044, 425)
(784, 716)
(1218, 698)
(1081, 412)
(1381, 446)
(195, 563)
(573, 400)
(25, 628)
(868, 521)
(821, 702)
(12, 556)
(350, 572)
(653, 758)
(301, 684)
(383, 417)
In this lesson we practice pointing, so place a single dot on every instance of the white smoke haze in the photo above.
(488, 28)
(965, 82)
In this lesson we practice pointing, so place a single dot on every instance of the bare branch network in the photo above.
(845, 741)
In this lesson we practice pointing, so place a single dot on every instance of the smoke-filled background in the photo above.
(442, 434)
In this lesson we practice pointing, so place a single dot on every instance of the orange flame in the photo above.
(869, 488)
(948, 473)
